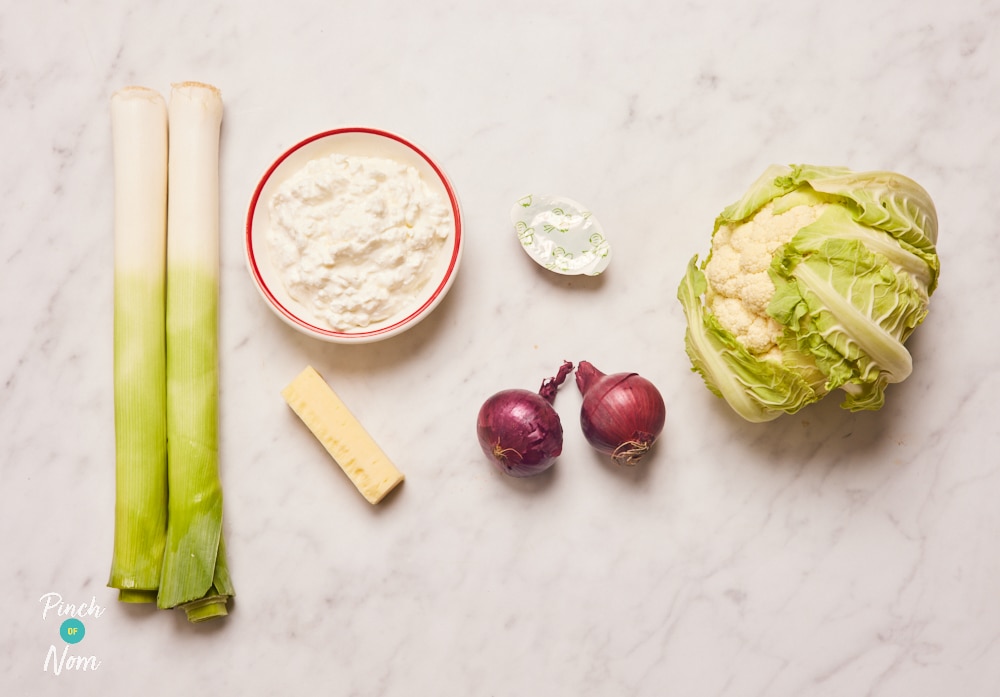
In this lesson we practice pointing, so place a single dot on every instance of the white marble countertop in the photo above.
(826, 553)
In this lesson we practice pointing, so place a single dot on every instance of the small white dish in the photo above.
(560, 235)
(351, 141)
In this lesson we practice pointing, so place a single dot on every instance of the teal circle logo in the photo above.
(72, 631)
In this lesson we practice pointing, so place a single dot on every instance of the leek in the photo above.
(194, 575)
(139, 141)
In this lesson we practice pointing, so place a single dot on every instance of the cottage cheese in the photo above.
(355, 239)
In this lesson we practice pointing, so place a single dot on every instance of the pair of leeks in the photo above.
(168, 543)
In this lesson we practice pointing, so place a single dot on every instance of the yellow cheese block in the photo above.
(342, 435)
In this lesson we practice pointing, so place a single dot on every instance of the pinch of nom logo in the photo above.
(72, 630)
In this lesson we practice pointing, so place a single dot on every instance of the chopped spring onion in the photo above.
(195, 575)
(139, 139)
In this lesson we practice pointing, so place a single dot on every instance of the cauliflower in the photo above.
(815, 279)
(739, 287)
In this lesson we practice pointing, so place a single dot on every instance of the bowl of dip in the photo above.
(353, 235)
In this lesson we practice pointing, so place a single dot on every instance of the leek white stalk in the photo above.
(139, 140)
(195, 575)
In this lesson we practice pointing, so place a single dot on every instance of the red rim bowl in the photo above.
(348, 141)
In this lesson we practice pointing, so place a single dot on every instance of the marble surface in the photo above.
(827, 553)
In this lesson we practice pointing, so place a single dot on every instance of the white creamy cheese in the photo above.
(355, 239)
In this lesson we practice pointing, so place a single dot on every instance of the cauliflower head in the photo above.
(815, 279)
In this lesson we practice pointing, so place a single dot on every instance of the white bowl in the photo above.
(355, 141)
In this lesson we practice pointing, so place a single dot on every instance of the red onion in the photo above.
(622, 414)
(520, 431)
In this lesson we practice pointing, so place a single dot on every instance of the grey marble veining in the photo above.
(826, 553)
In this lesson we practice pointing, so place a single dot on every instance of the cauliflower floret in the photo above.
(756, 331)
(739, 287)
(723, 271)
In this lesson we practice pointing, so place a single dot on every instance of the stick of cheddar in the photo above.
(343, 436)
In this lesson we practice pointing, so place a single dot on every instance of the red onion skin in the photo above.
(520, 431)
(622, 414)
